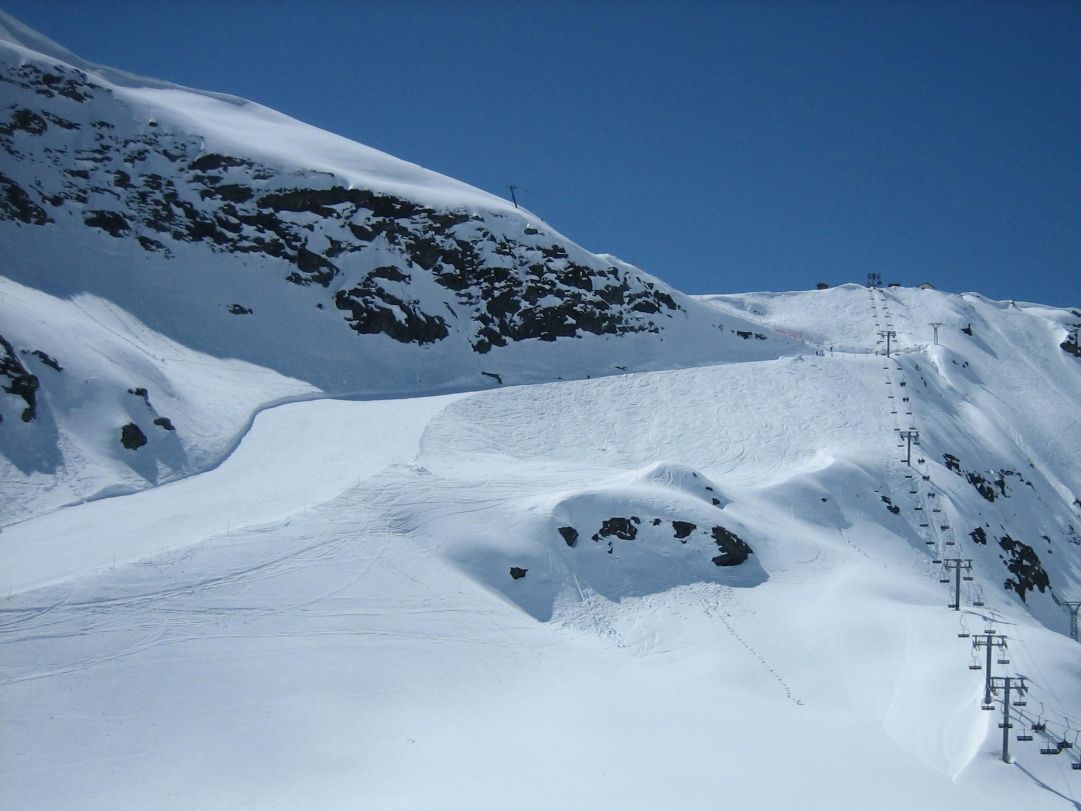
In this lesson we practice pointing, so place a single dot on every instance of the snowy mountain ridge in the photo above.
(403, 482)
(333, 274)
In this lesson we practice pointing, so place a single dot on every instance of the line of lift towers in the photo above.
(1012, 689)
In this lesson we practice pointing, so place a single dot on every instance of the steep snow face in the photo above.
(992, 408)
(159, 239)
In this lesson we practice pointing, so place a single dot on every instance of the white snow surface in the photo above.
(327, 619)
(305, 597)
(232, 124)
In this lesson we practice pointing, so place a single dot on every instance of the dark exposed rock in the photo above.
(371, 314)
(143, 393)
(237, 309)
(15, 204)
(132, 436)
(744, 334)
(1069, 345)
(47, 360)
(112, 222)
(165, 422)
(504, 288)
(388, 272)
(149, 244)
(952, 463)
(517, 572)
(893, 508)
(1024, 564)
(978, 536)
(570, 535)
(233, 192)
(212, 161)
(20, 382)
(734, 550)
(683, 529)
(495, 376)
(623, 528)
(23, 120)
(983, 487)
(967, 330)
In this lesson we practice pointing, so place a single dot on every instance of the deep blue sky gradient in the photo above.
(721, 146)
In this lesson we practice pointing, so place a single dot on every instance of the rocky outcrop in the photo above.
(502, 279)
(19, 380)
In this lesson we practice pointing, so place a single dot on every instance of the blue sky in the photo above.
(721, 146)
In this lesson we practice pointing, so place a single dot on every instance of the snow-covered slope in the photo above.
(162, 239)
(705, 577)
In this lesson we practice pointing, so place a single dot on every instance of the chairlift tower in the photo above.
(513, 197)
(1072, 606)
(887, 334)
(989, 639)
(1008, 684)
(911, 437)
(935, 325)
(960, 568)
(874, 279)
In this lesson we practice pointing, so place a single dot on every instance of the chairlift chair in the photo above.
(1039, 725)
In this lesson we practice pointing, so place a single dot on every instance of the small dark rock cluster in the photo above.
(990, 490)
(626, 529)
(733, 550)
(20, 381)
(1024, 564)
(132, 437)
